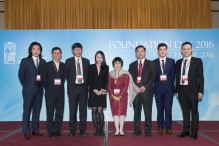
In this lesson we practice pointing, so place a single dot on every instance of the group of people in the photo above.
(143, 79)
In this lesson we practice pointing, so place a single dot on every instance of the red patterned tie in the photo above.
(139, 69)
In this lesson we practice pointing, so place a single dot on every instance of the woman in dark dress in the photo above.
(119, 81)
(98, 78)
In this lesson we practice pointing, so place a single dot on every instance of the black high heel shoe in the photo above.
(122, 135)
(116, 135)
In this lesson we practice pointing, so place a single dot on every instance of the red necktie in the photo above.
(139, 69)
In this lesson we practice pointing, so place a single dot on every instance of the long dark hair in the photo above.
(31, 46)
(103, 64)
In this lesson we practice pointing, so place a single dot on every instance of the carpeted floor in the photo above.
(11, 135)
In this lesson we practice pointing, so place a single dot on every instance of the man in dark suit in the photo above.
(30, 77)
(189, 89)
(164, 89)
(143, 73)
(76, 73)
(53, 80)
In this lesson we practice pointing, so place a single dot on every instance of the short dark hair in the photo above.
(103, 64)
(140, 46)
(31, 46)
(186, 43)
(161, 45)
(76, 45)
(117, 59)
(56, 48)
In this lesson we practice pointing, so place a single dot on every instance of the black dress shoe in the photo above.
(183, 134)
(137, 133)
(193, 136)
(148, 134)
(52, 135)
(58, 134)
(83, 133)
(71, 133)
(101, 133)
(97, 133)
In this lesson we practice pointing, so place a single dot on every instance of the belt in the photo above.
(183, 85)
(79, 84)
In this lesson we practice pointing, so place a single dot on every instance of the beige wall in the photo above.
(215, 14)
(214, 7)
(2, 18)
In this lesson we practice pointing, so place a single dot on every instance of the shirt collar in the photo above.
(34, 58)
(76, 58)
(162, 59)
(189, 58)
(55, 61)
(142, 60)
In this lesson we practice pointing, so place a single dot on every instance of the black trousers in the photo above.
(147, 107)
(189, 103)
(79, 97)
(54, 106)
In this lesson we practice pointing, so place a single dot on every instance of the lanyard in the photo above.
(57, 72)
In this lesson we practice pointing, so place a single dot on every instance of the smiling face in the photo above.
(77, 52)
(186, 50)
(56, 54)
(140, 53)
(99, 58)
(35, 50)
(162, 51)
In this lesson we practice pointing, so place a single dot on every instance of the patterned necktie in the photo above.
(37, 65)
(184, 70)
(79, 71)
(163, 66)
(140, 69)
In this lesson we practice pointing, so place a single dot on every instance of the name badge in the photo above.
(57, 81)
(116, 91)
(184, 78)
(80, 77)
(138, 79)
(38, 78)
(163, 77)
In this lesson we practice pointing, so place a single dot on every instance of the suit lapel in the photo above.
(33, 64)
(190, 66)
(159, 66)
(167, 65)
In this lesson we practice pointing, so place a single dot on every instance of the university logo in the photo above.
(9, 53)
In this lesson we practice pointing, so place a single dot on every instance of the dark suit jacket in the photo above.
(147, 77)
(48, 76)
(98, 81)
(70, 73)
(169, 71)
(195, 75)
(27, 74)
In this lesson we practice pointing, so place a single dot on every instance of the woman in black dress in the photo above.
(98, 78)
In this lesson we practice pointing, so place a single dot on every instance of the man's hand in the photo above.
(142, 89)
(200, 96)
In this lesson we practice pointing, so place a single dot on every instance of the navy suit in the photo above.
(32, 92)
(77, 93)
(164, 91)
(54, 95)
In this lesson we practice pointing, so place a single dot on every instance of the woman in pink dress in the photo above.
(118, 83)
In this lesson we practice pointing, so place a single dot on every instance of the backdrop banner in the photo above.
(113, 42)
